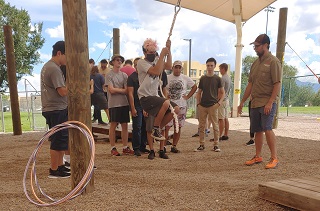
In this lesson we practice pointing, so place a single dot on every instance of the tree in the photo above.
(27, 41)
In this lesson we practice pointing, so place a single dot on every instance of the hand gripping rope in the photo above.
(82, 184)
(176, 123)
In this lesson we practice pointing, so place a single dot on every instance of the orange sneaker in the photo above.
(273, 163)
(254, 160)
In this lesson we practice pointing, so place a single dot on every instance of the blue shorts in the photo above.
(259, 121)
(59, 140)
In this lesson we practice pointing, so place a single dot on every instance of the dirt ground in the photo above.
(187, 181)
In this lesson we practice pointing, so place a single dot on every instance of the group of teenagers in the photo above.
(158, 101)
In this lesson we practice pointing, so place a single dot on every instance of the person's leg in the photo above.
(143, 135)
(56, 158)
(136, 129)
(176, 137)
(226, 127)
(221, 127)
(271, 140)
(112, 134)
(124, 134)
(213, 116)
(202, 123)
(259, 143)
(162, 112)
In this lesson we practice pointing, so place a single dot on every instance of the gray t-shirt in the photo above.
(117, 80)
(148, 83)
(226, 83)
(51, 79)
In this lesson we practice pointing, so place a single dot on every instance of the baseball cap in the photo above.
(261, 39)
(59, 46)
(177, 63)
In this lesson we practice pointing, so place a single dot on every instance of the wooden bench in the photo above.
(301, 194)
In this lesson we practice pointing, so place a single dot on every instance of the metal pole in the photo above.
(267, 20)
(189, 57)
(289, 97)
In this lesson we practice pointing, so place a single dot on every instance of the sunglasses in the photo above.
(118, 60)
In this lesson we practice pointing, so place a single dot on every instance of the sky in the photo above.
(211, 37)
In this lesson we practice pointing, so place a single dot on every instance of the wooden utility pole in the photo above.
(78, 77)
(116, 41)
(281, 43)
(12, 79)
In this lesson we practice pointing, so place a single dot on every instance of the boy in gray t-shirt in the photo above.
(118, 105)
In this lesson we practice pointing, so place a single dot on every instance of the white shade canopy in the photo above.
(223, 9)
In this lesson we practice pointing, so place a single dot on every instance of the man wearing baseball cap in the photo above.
(263, 86)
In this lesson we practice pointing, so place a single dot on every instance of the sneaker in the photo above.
(224, 138)
(207, 131)
(145, 151)
(64, 168)
(164, 149)
(156, 134)
(200, 148)
(254, 160)
(93, 120)
(273, 163)
(151, 155)
(250, 143)
(67, 164)
(114, 152)
(58, 174)
(137, 152)
(102, 123)
(168, 142)
(127, 151)
(196, 135)
(216, 149)
(174, 150)
(94, 167)
(163, 155)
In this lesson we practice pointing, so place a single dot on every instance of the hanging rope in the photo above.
(81, 185)
(176, 123)
(176, 11)
(302, 61)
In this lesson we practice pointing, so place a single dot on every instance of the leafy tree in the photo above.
(27, 41)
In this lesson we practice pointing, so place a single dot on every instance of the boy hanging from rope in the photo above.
(149, 71)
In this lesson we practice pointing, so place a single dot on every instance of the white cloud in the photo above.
(56, 32)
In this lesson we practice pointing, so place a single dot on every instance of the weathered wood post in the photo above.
(281, 43)
(12, 79)
(78, 77)
(116, 41)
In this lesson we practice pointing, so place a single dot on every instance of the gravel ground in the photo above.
(187, 181)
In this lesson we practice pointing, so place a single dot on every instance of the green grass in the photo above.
(39, 120)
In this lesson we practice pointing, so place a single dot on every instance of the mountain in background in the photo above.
(315, 86)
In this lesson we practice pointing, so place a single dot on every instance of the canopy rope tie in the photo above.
(81, 185)
(176, 122)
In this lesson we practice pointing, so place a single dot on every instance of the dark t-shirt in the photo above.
(98, 80)
(209, 86)
(164, 80)
(133, 81)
